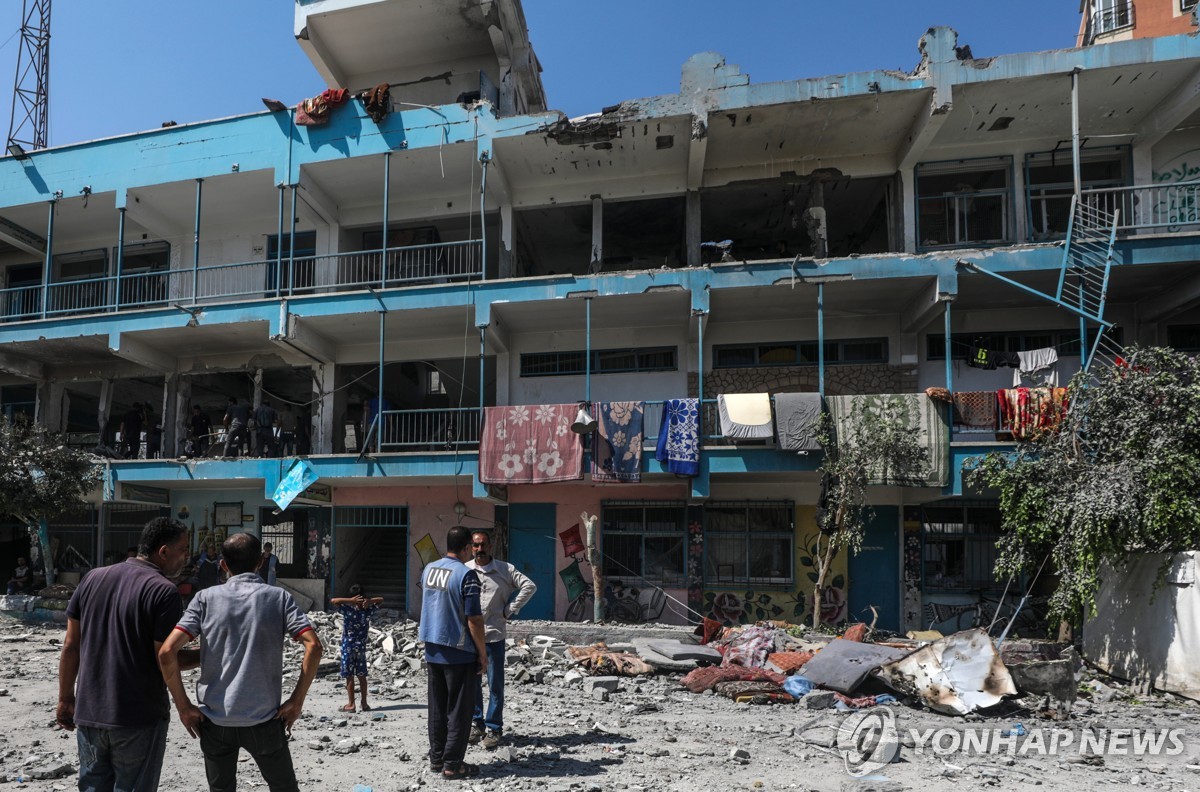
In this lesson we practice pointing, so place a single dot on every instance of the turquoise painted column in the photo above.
(291, 280)
(379, 393)
(196, 243)
(484, 159)
(587, 356)
(821, 339)
(48, 266)
(120, 256)
(279, 244)
(387, 193)
(482, 352)
(949, 370)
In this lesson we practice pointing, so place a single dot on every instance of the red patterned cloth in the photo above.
(703, 679)
(1027, 412)
(529, 444)
(789, 662)
(315, 111)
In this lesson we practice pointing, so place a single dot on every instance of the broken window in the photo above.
(958, 546)
(1050, 183)
(644, 541)
(748, 542)
(964, 202)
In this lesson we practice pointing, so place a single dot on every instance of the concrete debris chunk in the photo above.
(608, 683)
(678, 650)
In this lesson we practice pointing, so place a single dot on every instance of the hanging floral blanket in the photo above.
(679, 437)
(618, 455)
(529, 444)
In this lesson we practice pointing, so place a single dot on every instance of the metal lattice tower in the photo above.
(31, 91)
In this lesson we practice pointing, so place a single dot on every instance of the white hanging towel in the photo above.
(746, 416)
(1034, 363)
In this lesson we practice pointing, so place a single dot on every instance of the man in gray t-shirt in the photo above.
(241, 626)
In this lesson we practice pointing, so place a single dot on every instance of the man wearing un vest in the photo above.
(453, 632)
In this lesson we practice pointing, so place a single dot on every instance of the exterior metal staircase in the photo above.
(1083, 278)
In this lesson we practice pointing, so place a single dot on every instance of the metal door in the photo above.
(531, 548)
(875, 572)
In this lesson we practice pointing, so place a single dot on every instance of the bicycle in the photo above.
(992, 614)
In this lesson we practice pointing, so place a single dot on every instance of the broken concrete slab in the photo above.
(843, 665)
(680, 651)
(661, 662)
(955, 675)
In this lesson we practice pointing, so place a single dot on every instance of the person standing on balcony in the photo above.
(264, 419)
(287, 431)
(503, 592)
(237, 419)
(201, 428)
(131, 432)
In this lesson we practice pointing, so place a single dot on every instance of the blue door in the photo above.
(532, 545)
(875, 572)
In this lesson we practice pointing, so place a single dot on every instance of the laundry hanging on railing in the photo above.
(975, 409)
(745, 416)
(619, 433)
(1027, 412)
(921, 415)
(377, 101)
(1037, 364)
(983, 358)
(315, 111)
(798, 421)
(679, 437)
(529, 444)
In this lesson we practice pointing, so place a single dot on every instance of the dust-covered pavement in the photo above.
(651, 734)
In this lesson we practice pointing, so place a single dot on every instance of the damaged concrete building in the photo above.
(458, 246)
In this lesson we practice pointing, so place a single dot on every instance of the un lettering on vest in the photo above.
(437, 578)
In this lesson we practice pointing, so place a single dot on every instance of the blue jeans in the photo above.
(121, 760)
(495, 679)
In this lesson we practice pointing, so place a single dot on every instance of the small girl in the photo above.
(356, 613)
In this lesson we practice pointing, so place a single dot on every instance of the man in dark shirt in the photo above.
(237, 418)
(453, 631)
(264, 418)
(131, 432)
(201, 428)
(116, 621)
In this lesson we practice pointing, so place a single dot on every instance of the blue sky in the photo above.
(128, 65)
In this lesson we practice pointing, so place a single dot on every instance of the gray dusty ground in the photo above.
(650, 735)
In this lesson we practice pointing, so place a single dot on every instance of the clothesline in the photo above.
(971, 345)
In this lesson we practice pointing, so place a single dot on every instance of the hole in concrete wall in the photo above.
(768, 219)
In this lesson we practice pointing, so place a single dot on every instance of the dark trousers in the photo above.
(451, 694)
(267, 745)
(121, 760)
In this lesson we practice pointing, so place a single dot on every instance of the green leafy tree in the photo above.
(876, 445)
(40, 479)
(1120, 474)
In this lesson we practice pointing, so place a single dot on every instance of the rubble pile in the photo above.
(747, 713)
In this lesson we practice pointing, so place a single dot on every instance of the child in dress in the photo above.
(356, 613)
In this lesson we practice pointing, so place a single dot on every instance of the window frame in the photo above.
(980, 540)
(674, 580)
(972, 165)
(805, 353)
(1062, 191)
(559, 359)
(714, 580)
